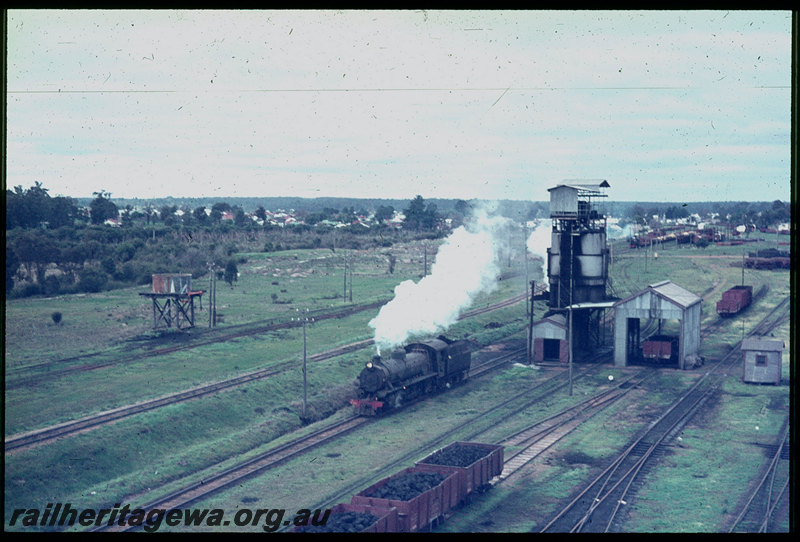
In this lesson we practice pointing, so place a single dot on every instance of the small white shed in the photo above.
(762, 360)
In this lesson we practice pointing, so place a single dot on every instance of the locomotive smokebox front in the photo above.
(372, 376)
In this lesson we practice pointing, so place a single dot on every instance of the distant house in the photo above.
(397, 220)
(113, 222)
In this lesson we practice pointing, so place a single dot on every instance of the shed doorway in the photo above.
(551, 349)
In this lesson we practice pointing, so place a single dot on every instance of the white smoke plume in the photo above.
(615, 232)
(539, 241)
(466, 264)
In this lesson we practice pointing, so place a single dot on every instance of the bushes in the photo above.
(52, 286)
(92, 280)
(124, 257)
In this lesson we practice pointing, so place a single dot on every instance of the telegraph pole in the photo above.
(304, 319)
(571, 288)
(530, 323)
(525, 257)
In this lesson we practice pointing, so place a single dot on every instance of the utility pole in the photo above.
(530, 323)
(743, 265)
(571, 288)
(210, 289)
(525, 257)
(344, 291)
(212, 295)
(304, 319)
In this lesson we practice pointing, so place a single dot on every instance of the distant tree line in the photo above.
(761, 214)
(53, 246)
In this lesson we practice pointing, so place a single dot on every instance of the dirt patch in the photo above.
(577, 458)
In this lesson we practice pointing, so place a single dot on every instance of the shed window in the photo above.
(761, 359)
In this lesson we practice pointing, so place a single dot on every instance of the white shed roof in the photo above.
(557, 319)
(675, 293)
(762, 344)
(669, 291)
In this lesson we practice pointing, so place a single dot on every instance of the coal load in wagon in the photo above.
(460, 455)
(344, 522)
(407, 486)
(473, 463)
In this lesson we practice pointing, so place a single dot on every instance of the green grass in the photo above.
(160, 447)
(698, 482)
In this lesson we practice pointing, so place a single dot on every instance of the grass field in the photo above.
(189, 439)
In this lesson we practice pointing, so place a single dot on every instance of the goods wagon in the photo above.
(353, 518)
(660, 348)
(735, 300)
(421, 497)
(474, 463)
(418, 497)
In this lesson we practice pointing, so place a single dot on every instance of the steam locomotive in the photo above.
(416, 370)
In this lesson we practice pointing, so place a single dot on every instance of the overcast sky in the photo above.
(665, 105)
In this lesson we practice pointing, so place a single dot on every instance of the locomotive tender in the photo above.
(415, 370)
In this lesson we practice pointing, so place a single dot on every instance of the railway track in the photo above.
(195, 490)
(596, 507)
(518, 401)
(201, 488)
(543, 434)
(16, 378)
(51, 433)
(769, 493)
(230, 333)
(193, 493)
(48, 434)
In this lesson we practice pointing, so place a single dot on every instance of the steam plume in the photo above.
(466, 265)
(539, 241)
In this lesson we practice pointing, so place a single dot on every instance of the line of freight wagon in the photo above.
(420, 497)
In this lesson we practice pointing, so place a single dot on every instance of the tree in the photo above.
(638, 213)
(102, 208)
(92, 280)
(35, 250)
(231, 272)
(239, 217)
(431, 217)
(674, 212)
(126, 215)
(384, 212)
(217, 211)
(12, 264)
(34, 208)
(167, 213)
(415, 213)
(200, 214)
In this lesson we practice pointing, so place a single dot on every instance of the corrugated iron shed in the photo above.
(663, 301)
(762, 360)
